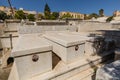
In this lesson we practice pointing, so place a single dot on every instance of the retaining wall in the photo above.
(41, 29)
(93, 26)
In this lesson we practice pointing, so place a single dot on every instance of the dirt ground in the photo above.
(4, 73)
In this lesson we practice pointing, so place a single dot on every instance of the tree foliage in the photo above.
(54, 15)
(109, 19)
(101, 12)
(65, 16)
(86, 17)
(31, 17)
(40, 16)
(93, 15)
(3, 15)
(47, 12)
(20, 15)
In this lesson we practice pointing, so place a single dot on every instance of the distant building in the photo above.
(28, 12)
(7, 10)
(73, 14)
(116, 13)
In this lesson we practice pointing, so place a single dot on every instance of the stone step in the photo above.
(7, 35)
(85, 75)
(7, 31)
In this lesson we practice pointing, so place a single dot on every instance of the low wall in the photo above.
(5, 42)
(41, 29)
(116, 25)
(12, 26)
(86, 26)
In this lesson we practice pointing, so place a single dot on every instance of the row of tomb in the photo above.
(33, 54)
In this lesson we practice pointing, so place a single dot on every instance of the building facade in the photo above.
(116, 13)
(28, 12)
(73, 14)
(7, 10)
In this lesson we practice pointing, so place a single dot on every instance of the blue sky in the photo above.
(82, 6)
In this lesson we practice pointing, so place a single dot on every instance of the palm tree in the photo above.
(11, 8)
(101, 12)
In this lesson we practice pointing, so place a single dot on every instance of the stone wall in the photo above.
(5, 42)
(41, 29)
(116, 25)
(12, 26)
(1, 28)
(87, 26)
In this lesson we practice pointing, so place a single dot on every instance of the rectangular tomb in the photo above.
(68, 46)
(32, 56)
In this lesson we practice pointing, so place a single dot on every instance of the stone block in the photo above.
(32, 56)
(89, 49)
(68, 46)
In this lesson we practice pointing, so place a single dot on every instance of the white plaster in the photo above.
(27, 46)
(69, 69)
(14, 73)
(6, 42)
(66, 38)
(89, 49)
(30, 43)
(93, 26)
(64, 45)
(27, 68)
(41, 29)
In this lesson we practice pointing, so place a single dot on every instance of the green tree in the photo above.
(9, 16)
(93, 15)
(101, 12)
(20, 15)
(3, 15)
(85, 17)
(65, 16)
(31, 17)
(40, 16)
(109, 19)
(47, 12)
(55, 15)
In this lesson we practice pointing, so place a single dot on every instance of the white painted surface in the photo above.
(12, 26)
(66, 38)
(27, 68)
(26, 47)
(6, 42)
(64, 71)
(14, 73)
(89, 49)
(64, 44)
(41, 29)
(93, 26)
(30, 43)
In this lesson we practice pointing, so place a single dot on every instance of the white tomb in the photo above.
(33, 59)
(67, 45)
(32, 56)
(89, 47)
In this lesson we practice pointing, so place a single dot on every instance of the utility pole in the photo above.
(11, 8)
